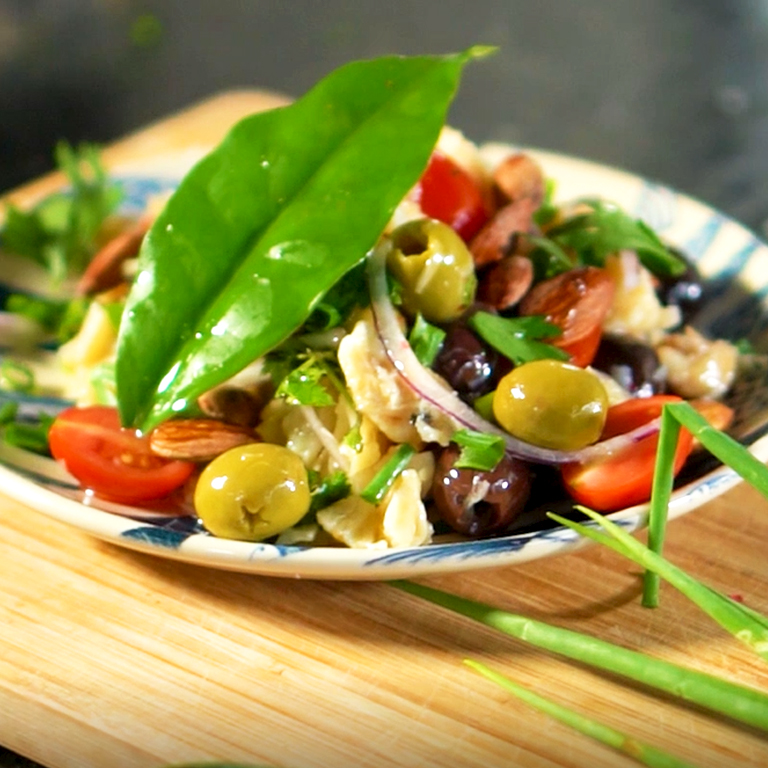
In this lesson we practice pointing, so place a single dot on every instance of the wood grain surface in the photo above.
(114, 658)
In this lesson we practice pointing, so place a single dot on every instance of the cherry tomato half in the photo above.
(625, 478)
(448, 193)
(113, 462)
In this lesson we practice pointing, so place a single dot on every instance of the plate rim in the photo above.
(340, 563)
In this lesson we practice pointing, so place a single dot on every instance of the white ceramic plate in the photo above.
(733, 259)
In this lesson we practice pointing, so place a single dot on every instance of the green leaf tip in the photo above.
(269, 221)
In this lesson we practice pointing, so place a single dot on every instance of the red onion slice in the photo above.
(424, 384)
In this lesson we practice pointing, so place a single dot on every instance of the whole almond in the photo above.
(517, 177)
(197, 439)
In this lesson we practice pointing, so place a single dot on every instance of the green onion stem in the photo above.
(375, 491)
(661, 491)
(722, 446)
(738, 702)
(16, 377)
(8, 411)
(743, 623)
(640, 751)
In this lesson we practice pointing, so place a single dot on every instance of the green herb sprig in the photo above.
(589, 236)
(60, 234)
(425, 340)
(518, 338)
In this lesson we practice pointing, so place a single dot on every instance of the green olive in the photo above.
(252, 492)
(435, 269)
(551, 404)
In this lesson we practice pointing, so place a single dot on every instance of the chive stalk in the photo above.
(737, 702)
(8, 411)
(661, 491)
(745, 624)
(375, 491)
(722, 446)
(642, 752)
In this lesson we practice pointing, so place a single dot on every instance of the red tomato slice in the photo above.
(113, 462)
(625, 478)
(448, 193)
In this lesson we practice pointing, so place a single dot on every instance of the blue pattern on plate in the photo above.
(696, 246)
(138, 190)
(156, 536)
(660, 207)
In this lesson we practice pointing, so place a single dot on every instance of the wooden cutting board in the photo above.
(113, 658)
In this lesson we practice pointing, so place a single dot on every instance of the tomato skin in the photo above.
(113, 462)
(577, 301)
(625, 478)
(448, 193)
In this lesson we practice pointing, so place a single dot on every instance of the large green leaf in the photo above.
(262, 227)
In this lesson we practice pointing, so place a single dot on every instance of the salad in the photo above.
(353, 326)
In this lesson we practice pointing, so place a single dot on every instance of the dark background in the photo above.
(675, 90)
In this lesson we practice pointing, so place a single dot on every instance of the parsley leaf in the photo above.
(518, 338)
(304, 385)
(61, 318)
(606, 229)
(425, 340)
(60, 233)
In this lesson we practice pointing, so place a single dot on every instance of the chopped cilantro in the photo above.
(518, 338)
(304, 385)
(425, 340)
(604, 229)
(354, 439)
(61, 318)
(60, 233)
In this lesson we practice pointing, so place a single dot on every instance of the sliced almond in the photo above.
(506, 282)
(197, 439)
(497, 238)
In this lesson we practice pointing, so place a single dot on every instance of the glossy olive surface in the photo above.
(435, 269)
(252, 492)
(551, 404)
(480, 503)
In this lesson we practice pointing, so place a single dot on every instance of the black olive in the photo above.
(467, 364)
(685, 291)
(476, 503)
(634, 365)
